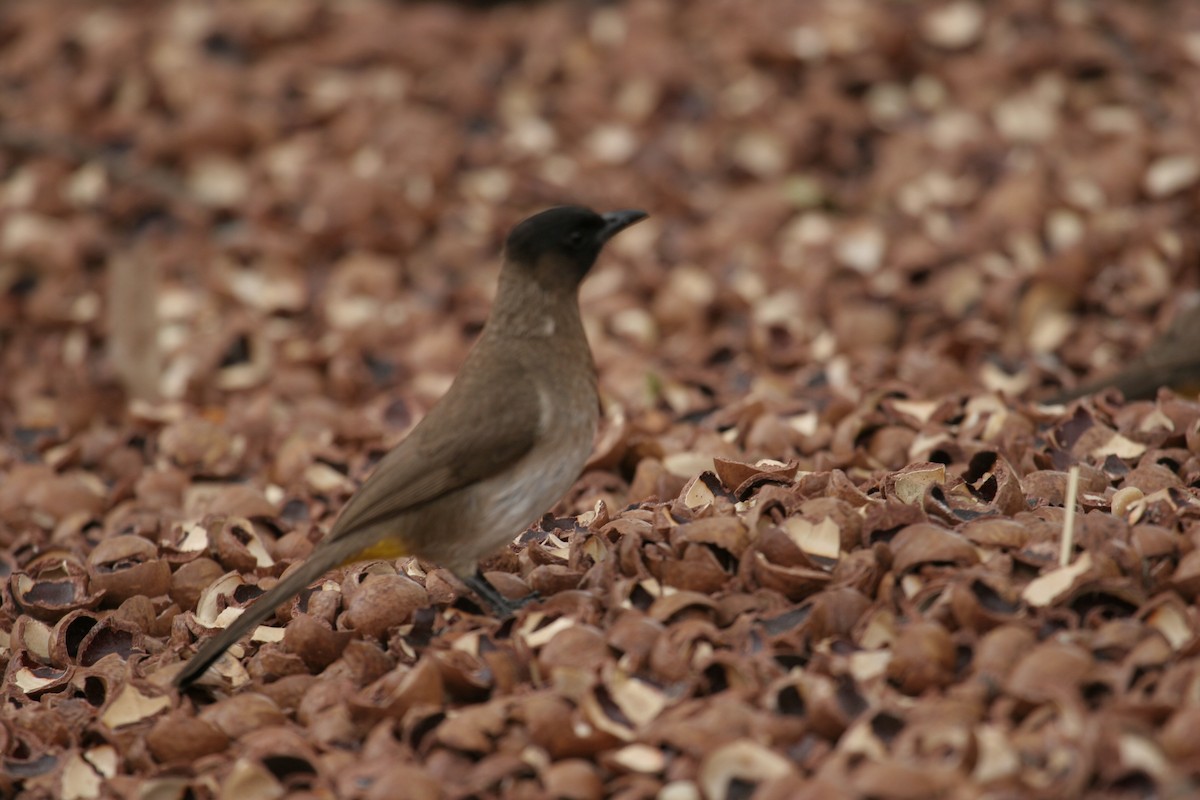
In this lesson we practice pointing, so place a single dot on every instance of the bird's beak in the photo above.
(617, 221)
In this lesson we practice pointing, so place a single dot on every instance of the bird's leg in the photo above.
(499, 604)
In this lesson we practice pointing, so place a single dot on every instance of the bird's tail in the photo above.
(327, 555)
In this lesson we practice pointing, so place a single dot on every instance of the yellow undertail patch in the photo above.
(379, 551)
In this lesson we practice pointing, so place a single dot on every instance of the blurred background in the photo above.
(245, 245)
(201, 201)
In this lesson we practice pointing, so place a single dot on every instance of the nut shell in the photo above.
(179, 738)
(125, 566)
(382, 602)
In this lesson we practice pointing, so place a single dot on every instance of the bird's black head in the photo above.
(564, 242)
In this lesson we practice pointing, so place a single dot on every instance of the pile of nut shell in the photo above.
(833, 541)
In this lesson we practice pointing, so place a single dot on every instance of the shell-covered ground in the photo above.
(836, 540)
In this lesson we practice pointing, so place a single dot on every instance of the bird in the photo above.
(506, 441)
(1173, 359)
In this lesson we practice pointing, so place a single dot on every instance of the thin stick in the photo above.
(1068, 536)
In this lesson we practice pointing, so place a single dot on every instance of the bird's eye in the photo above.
(574, 239)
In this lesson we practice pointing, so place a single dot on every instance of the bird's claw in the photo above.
(502, 606)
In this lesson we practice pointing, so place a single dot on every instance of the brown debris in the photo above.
(908, 269)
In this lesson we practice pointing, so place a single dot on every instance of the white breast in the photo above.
(542, 477)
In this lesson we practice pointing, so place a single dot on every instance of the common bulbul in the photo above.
(506, 441)
(1173, 359)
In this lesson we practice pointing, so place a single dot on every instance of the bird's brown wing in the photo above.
(473, 433)
(461, 441)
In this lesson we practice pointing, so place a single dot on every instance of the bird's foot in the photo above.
(502, 606)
